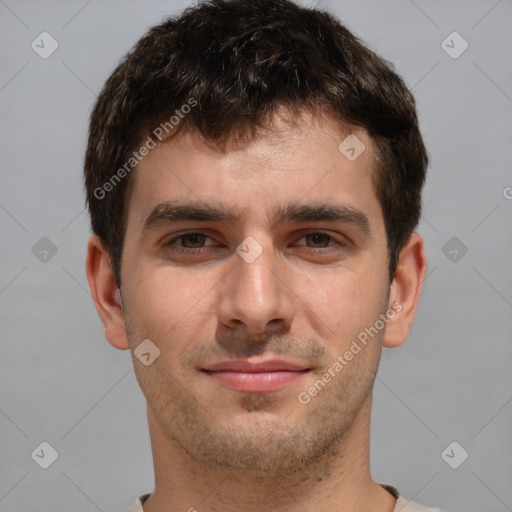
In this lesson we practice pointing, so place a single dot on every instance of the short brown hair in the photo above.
(237, 62)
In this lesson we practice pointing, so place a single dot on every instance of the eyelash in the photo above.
(199, 250)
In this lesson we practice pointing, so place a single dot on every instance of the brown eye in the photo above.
(196, 240)
(319, 239)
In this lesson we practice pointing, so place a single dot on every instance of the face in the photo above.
(254, 271)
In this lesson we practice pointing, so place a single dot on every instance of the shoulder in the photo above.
(137, 507)
(404, 504)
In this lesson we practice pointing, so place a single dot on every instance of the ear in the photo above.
(405, 291)
(106, 295)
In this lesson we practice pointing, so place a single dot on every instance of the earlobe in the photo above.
(405, 291)
(105, 293)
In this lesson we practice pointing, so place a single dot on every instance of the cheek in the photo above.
(342, 303)
(166, 305)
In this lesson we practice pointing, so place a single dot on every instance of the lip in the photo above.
(245, 365)
(255, 377)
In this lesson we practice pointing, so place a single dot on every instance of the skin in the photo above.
(303, 299)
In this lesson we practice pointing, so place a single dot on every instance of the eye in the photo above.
(195, 239)
(196, 242)
(319, 240)
(189, 241)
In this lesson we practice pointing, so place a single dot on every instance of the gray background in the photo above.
(62, 383)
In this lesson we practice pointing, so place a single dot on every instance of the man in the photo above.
(254, 177)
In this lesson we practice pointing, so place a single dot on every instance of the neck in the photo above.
(340, 481)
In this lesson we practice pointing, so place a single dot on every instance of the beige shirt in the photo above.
(402, 503)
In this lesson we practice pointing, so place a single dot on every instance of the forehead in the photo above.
(311, 160)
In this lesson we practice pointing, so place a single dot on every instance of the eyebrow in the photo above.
(176, 211)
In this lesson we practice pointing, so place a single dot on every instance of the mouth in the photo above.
(250, 377)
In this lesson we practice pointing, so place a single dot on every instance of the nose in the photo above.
(257, 298)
